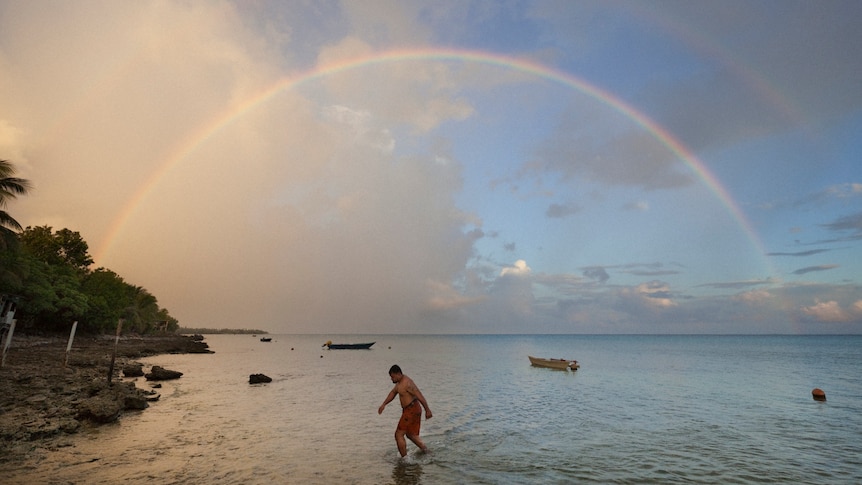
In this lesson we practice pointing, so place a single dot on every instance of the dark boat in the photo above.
(333, 346)
(266, 339)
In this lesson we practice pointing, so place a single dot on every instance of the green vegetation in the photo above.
(231, 331)
(47, 275)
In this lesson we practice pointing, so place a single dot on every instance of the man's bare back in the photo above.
(406, 390)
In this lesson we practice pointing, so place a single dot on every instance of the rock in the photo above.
(158, 373)
(258, 379)
(133, 370)
(107, 402)
(100, 409)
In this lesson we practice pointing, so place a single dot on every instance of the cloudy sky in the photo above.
(451, 166)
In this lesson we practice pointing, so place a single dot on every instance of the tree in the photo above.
(51, 294)
(10, 188)
(64, 247)
(111, 298)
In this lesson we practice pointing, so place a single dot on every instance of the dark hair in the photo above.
(395, 369)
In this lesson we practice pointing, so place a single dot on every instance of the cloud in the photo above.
(418, 95)
(737, 284)
(799, 63)
(597, 273)
(559, 211)
(832, 312)
(754, 297)
(801, 253)
(590, 144)
(361, 126)
(809, 269)
(652, 295)
(639, 206)
(519, 268)
(852, 222)
(341, 203)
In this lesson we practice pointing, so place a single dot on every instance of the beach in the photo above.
(47, 395)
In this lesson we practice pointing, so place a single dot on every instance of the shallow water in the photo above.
(642, 409)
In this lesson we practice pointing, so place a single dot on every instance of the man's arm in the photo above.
(389, 399)
(418, 394)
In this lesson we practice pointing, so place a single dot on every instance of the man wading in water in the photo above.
(411, 411)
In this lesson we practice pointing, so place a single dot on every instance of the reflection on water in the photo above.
(407, 472)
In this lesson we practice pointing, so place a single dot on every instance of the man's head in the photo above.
(395, 373)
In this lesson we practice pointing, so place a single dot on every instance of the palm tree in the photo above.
(10, 188)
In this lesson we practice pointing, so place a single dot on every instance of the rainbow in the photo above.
(526, 66)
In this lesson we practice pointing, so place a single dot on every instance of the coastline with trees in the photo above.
(47, 280)
(49, 292)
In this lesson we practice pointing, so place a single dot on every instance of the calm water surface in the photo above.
(642, 409)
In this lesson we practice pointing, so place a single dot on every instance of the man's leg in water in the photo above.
(402, 444)
(418, 442)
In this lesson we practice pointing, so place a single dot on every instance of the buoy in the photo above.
(818, 394)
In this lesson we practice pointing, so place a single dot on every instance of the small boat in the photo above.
(332, 346)
(561, 364)
(266, 339)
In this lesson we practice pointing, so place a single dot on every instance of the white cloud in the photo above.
(827, 311)
(519, 268)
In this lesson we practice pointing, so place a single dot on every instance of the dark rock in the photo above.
(133, 370)
(137, 402)
(158, 373)
(108, 401)
(100, 409)
(258, 379)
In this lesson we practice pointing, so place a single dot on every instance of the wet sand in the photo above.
(44, 399)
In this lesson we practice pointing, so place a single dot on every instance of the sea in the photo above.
(641, 409)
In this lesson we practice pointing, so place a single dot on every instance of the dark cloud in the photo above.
(810, 269)
(597, 273)
(737, 284)
(852, 222)
(560, 211)
(652, 273)
(810, 252)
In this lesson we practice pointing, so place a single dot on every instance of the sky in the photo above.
(369, 167)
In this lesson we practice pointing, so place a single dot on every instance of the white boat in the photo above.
(561, 364)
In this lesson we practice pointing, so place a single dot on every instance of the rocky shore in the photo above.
(44, 398)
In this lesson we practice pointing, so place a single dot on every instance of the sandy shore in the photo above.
(43, 400)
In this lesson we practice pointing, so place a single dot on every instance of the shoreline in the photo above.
(44, 400)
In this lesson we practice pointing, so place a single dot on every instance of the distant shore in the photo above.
(43, 400)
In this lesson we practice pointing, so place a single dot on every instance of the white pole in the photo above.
(114, 355)
(71, 338)
(8, 341)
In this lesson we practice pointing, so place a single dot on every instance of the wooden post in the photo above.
(71, 338)
(7, 342)
(114, 354)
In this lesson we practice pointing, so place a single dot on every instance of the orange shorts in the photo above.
(411, 416)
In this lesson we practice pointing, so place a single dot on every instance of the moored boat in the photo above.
(333, 346)
(266, 339)
(561, 364)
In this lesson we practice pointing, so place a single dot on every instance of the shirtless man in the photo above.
(411, 411)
